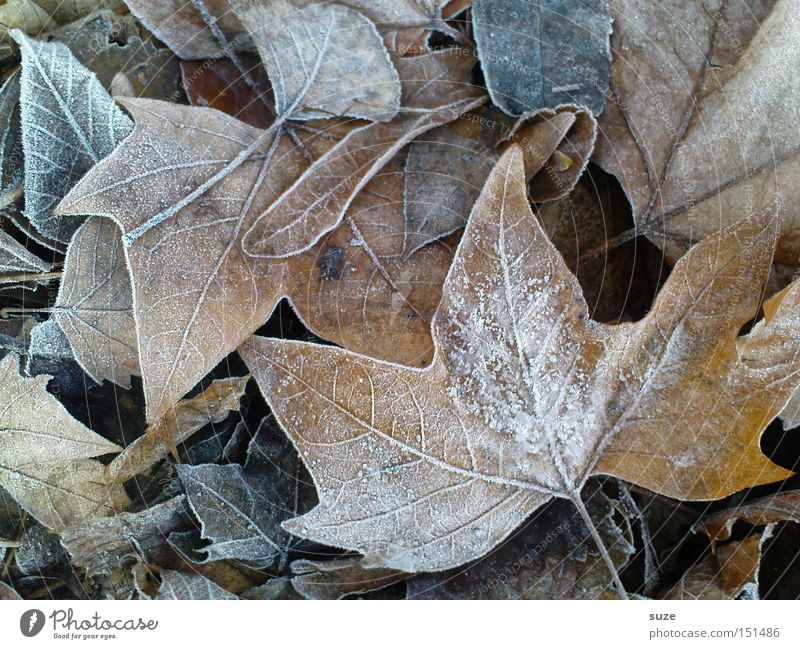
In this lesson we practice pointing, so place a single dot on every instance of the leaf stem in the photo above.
(587, 519)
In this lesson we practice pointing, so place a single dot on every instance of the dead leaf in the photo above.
(543, 53)
(94, 306)
(180, 24)
(101, 545)
(178, 425)
(446, 169)
(11, 161)
(217, 83)
(16, 258)
(178, 585)
(241, 508)
(340, 578)
(25, 15)
(552, 557)
(691, 160)
(8, 593)
(729, 573)
(189, 331)
(44, 461)
(517, 352)
(318, 59)
(768, 510)
(318, 200)
(63, 102)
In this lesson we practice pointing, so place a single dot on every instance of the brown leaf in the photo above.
(8, 593)
(181, 26)
(340, 578)
(779, 507)
(446, 168)
(691, 160)
(44, 455)
(527, 397)
(193, 310)
(95, 306)
(217, 83)
(318, 58)
(317, 201)
(101, 545)
(730, 572)
(178, 425)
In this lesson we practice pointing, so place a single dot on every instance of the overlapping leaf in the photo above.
(527, 397)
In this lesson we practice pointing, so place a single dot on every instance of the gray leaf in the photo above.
(177, 585)
(10, 140)
(543, 53)
(241, 509)
(69, 123)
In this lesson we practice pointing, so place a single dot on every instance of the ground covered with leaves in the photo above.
(425, 299)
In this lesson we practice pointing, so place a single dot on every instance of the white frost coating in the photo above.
(69, 123)
(356, 76)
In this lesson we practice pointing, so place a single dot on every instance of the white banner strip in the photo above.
(372, 624)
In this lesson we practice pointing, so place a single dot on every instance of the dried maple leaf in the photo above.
(94, 306)
(193, 310)
(551, 557)
(687, 155)
(179, 585)
(44, 455)
(527, 397)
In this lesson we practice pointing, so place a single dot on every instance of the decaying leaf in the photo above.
(691, 159)
(318, 59)
(768, 510)
(179, 585)
(94, 305)
(543, 53)
(10, 140)
(48, 339)
(446, 169)
(44, 461)
(552, 557)
(340, 578)
(241, 509)
(184, 333)
(8, 593)
(101, 545)
(527, 397)
(153, 72)
(180, 24)
(61, 102)
(67, 11)
(217, 83)
(730, 572)
(25, 15)
(16, 258)
(177, 425)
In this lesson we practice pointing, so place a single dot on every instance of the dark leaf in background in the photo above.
(543, 53)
